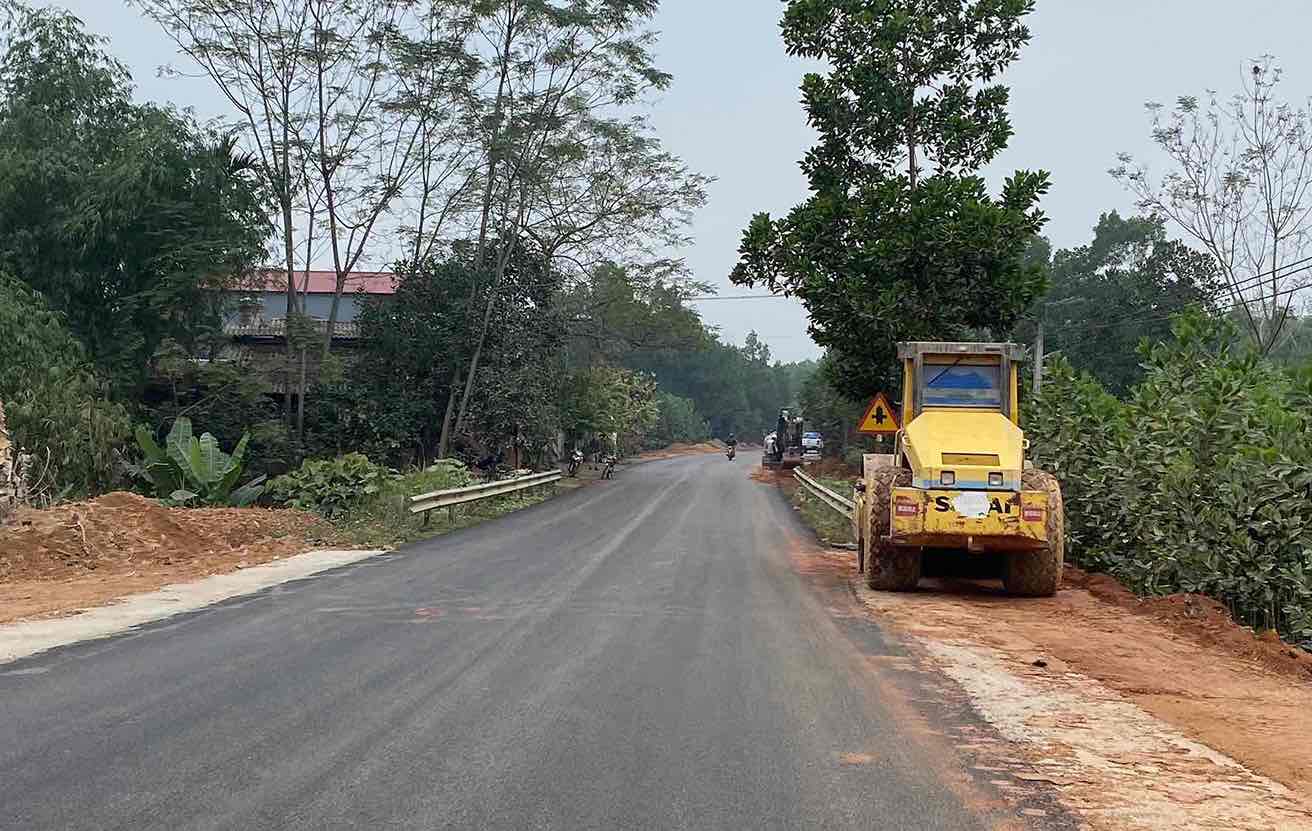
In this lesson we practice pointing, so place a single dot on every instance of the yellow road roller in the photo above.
(957, 479)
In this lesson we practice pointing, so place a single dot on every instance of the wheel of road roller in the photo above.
(889, 567)
(1038, 573)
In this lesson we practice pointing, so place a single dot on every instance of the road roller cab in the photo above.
(958, 477)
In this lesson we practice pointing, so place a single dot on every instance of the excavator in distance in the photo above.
(783, 447)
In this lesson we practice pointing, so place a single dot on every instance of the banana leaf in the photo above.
(178, 443)
(233, 471)
(247, 493)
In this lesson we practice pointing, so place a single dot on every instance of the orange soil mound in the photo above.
(90, 552)
(1200, 618)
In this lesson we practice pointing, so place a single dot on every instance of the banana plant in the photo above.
(190, 470)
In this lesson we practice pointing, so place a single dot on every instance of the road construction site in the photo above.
(669, 649)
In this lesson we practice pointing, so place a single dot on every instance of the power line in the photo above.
(1249, 282)
(1084, 341)
(1132, 319)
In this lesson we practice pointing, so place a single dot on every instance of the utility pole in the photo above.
(1038, 357)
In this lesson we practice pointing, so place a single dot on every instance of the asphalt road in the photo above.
(641, 653)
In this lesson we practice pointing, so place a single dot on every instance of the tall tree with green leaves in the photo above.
(125, 216)
(1123, 287)
(900, 239)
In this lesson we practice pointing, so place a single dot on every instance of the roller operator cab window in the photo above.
(951, 384)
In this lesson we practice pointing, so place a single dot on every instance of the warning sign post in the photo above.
(880, 419)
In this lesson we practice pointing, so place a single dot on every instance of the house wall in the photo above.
(316, 305)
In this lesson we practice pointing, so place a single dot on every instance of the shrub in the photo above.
(56, 407)
(230, 399)
(330, 487)
(1199, 482)
(854, 458)
(189, 470)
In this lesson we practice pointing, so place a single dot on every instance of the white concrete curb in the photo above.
(24, 638)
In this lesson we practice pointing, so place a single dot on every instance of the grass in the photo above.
(385, 520)
(829, 525)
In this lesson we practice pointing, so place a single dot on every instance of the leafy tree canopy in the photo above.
(1121, 288)
(124, 216)
(882, 252)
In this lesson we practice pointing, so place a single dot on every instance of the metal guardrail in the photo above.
(841, 504)
(459, 496)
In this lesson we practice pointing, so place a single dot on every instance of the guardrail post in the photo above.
(451, 515)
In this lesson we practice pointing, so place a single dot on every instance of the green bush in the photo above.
(384, 518)
(1199, 482)
(855, 458)
(190, 470)
(230, 399)
(55, 405)
(330, 487)
(441, 475)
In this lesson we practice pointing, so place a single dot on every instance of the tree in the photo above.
(562, 166)
(619, 310)
(125, 217)
(602, 400)
(344, 106)
(337, 100)
(1240, 184)
(1122, 288)
(827, 410)
(677, 420)
(398, 396)
(734, 388)
(899, 240)
(393, 405)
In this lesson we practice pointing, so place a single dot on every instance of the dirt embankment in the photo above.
(682, 449)
(1142, 714)
(89, 553)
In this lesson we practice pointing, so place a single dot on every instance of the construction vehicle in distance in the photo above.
(783, 447)
(957, 478)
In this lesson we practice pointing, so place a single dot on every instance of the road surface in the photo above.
(641, 653)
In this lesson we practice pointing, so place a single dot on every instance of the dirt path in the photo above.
(86, 554)
(680, 449)
(1147, 717)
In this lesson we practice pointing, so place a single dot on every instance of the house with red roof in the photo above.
(260, 302)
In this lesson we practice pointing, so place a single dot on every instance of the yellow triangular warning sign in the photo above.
(879, 418)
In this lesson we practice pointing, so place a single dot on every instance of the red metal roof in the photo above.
(325, 282)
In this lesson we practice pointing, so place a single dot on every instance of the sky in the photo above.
(1077, 99)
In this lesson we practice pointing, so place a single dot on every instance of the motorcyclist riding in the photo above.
(732, 443)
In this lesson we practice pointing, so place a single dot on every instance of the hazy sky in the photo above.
(1077, 99)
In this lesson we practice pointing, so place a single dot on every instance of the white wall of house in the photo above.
(316, 306)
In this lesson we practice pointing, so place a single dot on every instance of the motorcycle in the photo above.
(575, 459)
(731, 452)
(608, 470)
